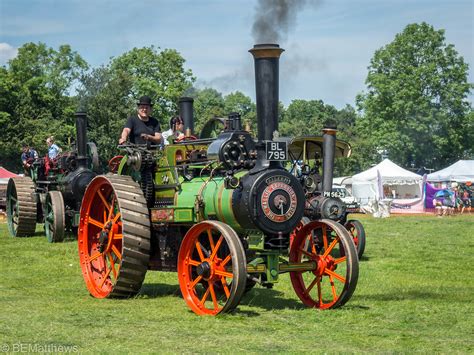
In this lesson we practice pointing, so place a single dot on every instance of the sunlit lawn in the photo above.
(415, 293)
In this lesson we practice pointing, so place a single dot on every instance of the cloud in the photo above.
(7, 52)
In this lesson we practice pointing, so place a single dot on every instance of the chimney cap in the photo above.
(266, 50)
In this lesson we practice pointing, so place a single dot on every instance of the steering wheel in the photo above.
(114, 163)
(184, 138)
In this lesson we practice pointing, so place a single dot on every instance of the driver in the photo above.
(142, 128)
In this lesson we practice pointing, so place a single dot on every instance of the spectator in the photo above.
(142, 128)
(466, 200)
(175, 131)
(28, 156)
(53, 149)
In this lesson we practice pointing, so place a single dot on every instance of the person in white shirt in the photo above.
(53, 149)
(175, 131)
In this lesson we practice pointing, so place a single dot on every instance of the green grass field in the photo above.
(415, 293)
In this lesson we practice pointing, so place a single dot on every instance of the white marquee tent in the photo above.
(387, 181)
(461, 171)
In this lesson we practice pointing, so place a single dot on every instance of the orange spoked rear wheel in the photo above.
(114, 237)
(333, 281)
(212, 268)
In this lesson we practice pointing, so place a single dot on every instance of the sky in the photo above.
(328, 43)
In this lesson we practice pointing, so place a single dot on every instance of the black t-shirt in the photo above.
(138, 127)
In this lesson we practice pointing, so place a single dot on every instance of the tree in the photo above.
(311, 116)
(109, 93)
(238, 102)
(416, 104)
(158, 74)
(35, 101)
(208, 103)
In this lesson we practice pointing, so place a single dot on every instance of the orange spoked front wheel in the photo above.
(212, 268)
(114, 237)
(333, 280)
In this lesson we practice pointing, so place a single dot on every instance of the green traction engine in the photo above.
(53, 192)
(218, 211)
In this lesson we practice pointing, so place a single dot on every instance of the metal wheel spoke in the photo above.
(320, 294)
(325, 237)
(333, 288)
(306, 253)
(204, 297)
(95, 256)
(112, 265)
(213, 296)
(116, 252)
(336, 276)
(195, 281)
(118, 236)
(107, 273)
(331, 247)
(112, 205)
(193, 262)
(226, 288)
(211, 240)
(116, 217)
(226, 260)
(95, 222)
(199, 250)
(311, 242)
(217, 246)
(224, 273)
(310, 287)
(340, 260)
(104, 200)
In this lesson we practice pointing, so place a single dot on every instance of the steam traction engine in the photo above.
(322, 202)
(54, 191)
(219, 212)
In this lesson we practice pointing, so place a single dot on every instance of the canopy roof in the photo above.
(390, 173)
(309, 147)
(461, 171)
(5, 174)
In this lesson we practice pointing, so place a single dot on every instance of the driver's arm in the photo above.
(125, 133)
(157, 138)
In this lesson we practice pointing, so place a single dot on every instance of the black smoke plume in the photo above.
(275, 18)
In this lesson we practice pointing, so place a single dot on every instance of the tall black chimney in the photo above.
(266, 58)
(329, 150)
(81, 138)
(186, 113)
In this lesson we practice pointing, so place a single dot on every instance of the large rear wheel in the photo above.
(114, 237)
(54, 220)
(333, 280)
(212, 268)
(21, 206)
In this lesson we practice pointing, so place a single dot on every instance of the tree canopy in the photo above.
(416, 105)
(34, 98)
(109, 93)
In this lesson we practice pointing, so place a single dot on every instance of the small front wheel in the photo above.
(54, 223)
(212, 268)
